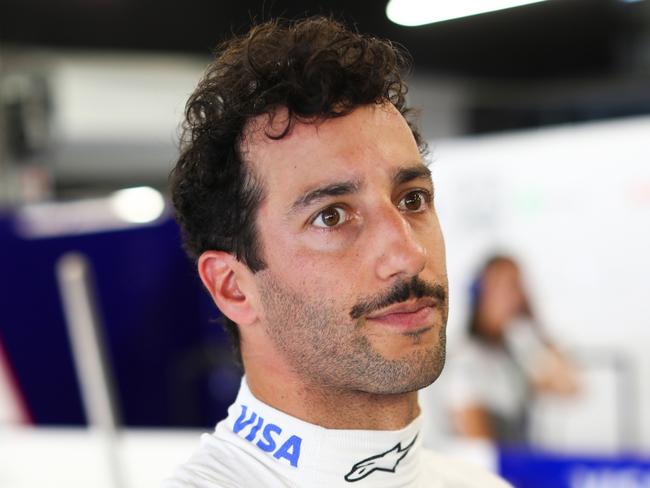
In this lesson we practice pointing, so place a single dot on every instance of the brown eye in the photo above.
(412, 201)
(329, 217)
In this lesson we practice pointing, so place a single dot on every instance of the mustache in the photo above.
(400, 292)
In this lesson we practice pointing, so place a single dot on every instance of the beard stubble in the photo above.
(326, 345)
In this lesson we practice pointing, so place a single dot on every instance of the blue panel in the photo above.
(526, 469)
(170, 359)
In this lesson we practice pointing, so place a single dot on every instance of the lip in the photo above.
(408, 315)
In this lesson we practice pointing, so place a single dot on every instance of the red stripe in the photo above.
(25, 414)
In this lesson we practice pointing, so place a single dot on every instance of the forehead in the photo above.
(369, 142)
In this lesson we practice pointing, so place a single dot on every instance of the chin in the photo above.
(408, 374)
(422, 381)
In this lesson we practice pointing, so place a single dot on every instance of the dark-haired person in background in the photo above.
(506, 361)
(302, 193)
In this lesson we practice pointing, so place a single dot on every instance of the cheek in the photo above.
(310, 249)
(317, 274)
(328, 285)
(316, 261)
(334, 243)
(434, 243)
(439, 245)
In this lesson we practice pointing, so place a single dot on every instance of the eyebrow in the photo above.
(404, 175)
(337, 189)
(332, 190)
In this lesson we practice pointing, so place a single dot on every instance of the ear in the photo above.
(224, 277)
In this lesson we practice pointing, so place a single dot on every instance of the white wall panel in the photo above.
(572, 203)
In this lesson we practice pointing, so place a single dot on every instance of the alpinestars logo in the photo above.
(386, 461)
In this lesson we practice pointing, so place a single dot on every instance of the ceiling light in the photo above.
(419, 12)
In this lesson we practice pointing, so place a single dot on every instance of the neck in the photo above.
(490, 330)
(332, 408)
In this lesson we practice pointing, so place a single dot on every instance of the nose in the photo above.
(400, 252)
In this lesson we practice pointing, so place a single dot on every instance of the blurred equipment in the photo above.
(155, 313)
(171, 363)
(25, 119)
(77, 124)
(603, 417)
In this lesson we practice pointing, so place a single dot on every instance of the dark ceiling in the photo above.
(551, 39)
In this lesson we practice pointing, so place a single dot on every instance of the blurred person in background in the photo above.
(505, 362)
(303, 195)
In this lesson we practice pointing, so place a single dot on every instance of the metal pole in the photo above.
(75, 285)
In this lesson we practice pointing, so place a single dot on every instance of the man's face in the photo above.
(354, 295)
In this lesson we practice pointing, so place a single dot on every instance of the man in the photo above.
(303, 196)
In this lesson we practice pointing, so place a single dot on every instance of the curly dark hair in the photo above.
(314, 68)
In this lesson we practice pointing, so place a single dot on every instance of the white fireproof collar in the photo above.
(311, 455)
